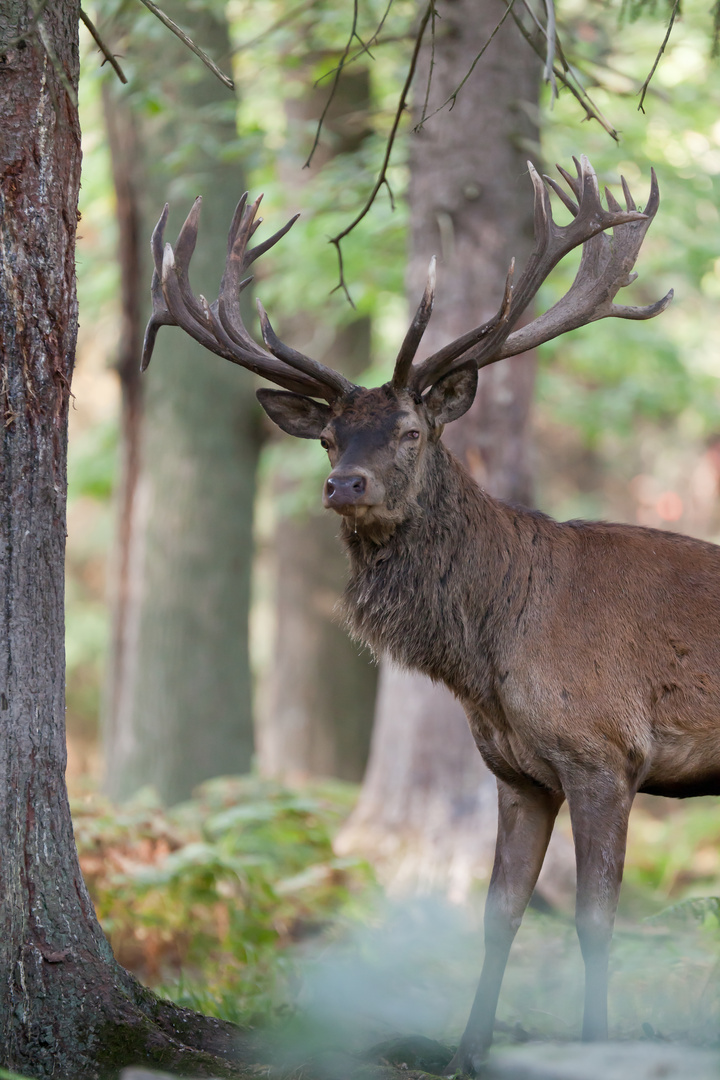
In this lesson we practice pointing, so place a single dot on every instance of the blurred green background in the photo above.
(626, 427)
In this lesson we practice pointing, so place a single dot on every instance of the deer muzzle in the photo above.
(346, 491)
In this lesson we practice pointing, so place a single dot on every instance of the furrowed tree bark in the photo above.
(67, 1010)
(427, 811)
(320, 692)
(178, 704)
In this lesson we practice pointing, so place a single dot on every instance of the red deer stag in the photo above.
(586, 655)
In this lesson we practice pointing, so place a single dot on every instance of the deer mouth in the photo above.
(355, 512)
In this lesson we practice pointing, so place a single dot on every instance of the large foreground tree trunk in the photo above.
(67, 1010)
(428, 805)
(178, 706)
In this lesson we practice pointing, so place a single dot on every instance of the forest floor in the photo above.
(235, 904)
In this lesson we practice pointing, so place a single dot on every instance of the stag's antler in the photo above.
(606, 266)
(219, 326)
(604, 269)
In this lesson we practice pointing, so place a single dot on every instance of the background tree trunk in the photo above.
(178, 701)
(320, 696)
(427, 809)
(66, 1009)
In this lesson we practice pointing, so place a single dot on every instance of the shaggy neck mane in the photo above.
(409, 595)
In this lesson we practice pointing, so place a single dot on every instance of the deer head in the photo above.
(379, 440)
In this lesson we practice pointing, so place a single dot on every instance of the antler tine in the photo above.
(332, 379)
(237, 262)
(157, 240)
(160, 314)
(230, 315)
(653, 202)
(440, 362)
(417, 328)
(232, 283)
(192, 321)
(629, 201)
(563, 196)
(552, 242)
(573, 182)
(183, 252)
(260, 249)
(237, 220)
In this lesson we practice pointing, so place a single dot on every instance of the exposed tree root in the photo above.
(92, 1019)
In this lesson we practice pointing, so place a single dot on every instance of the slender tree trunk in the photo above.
(126, 162)
(428, 804)
(67, 1010)
(178, 702)
(321, 691)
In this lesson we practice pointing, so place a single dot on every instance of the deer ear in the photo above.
(294, 413)
(452, 395)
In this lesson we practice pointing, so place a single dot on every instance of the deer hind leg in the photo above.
(599, 812)
(525, 822)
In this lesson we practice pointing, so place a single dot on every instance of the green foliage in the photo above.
(202, 901)
(677, 853)
(92, 461)
(615, 382)
(303, 272)
(701, 910)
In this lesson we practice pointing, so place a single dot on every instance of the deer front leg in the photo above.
(525, 821)
(599, 812)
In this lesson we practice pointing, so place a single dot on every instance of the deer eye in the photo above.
(411, 434)
(325, 444)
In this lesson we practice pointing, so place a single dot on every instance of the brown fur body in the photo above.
(573, 646)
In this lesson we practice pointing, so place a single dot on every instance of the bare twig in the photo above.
(433, 17)
(167, 21)
(644, 88)
(585, 101)
(333, 88)
(372, 40)
(103, 47)
(551, 35)
(565, 76)
(382, 175)
(453, 97)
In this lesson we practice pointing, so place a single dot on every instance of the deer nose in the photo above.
(345, 490)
